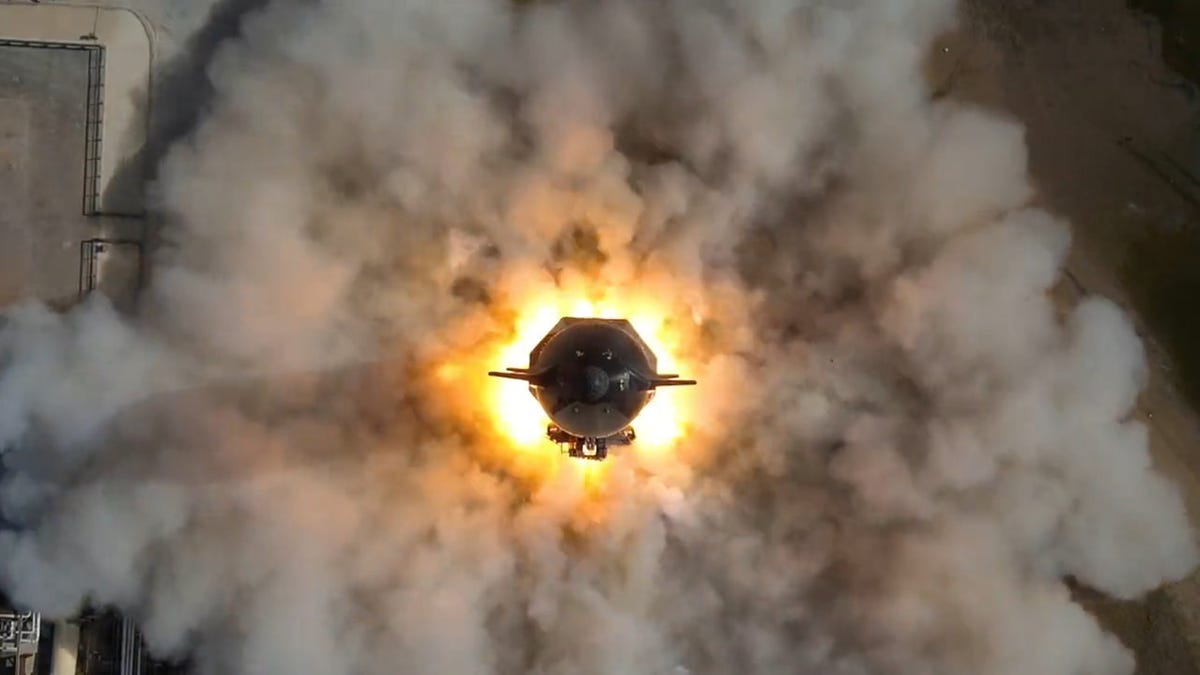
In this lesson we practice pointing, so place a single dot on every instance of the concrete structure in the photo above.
(43, 119)
(74, 115)
(125, 82)
(65, 654)
(75, 91)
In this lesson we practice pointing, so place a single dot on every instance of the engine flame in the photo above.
(519, 419)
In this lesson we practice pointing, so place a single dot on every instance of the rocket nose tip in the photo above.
(597, 382)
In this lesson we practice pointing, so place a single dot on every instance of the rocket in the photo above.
(592, 377)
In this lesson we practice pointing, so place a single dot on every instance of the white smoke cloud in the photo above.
(900, 444)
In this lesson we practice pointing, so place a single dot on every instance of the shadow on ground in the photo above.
(1181, 33)
(1161, 273)
(1161, 268)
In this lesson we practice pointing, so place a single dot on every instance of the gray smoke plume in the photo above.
(899, 448)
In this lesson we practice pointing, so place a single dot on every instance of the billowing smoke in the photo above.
(900, 447)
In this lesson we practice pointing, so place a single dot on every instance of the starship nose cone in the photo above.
(597, 382)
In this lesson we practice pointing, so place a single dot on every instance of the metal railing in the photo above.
(131, 649)
(89, 254)
(92, 132)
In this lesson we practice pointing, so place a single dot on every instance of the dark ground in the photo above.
(1109, 96)
(1180, 20)
(1162, 267)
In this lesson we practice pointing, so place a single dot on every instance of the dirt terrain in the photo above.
(1114, 142)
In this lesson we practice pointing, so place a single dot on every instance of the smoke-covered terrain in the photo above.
(898, 450)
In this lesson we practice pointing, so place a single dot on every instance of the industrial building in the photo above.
(71, 226)
(94, 643)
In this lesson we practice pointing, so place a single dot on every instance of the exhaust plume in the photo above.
(899, 446)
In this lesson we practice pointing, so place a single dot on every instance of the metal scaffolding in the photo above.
(131, 649)
(19, 631)
(111, 644)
